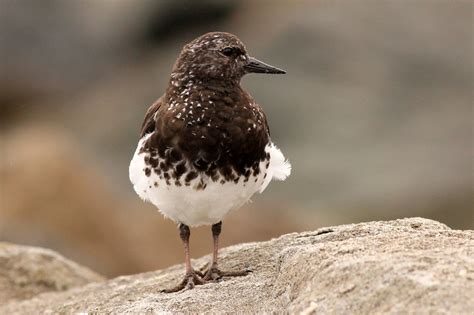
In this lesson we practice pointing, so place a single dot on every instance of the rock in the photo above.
(404, 266)
(28, 271)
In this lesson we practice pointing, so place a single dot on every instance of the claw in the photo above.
(190, 280)
(214, 274)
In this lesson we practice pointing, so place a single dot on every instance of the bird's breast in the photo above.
(212, 136)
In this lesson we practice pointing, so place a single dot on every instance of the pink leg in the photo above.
(191, 278)
(213, 273)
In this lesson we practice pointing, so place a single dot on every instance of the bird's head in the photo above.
(217, 56)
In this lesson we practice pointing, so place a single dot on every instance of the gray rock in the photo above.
(404, 266)
(28, 271)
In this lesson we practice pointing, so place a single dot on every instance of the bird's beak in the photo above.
(256, 66)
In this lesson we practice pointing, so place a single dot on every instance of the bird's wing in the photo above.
(148, 124)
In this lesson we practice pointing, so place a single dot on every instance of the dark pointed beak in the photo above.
(256, 66)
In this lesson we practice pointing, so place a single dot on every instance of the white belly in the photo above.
(191, 205)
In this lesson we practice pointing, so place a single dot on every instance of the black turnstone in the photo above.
(205, 146)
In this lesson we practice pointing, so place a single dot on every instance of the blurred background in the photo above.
(375, 115)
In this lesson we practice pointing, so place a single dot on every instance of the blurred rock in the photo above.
(409, 266)
(28, 271)
(57, 49)
(375, 112)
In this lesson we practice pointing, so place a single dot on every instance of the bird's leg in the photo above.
(214, 273)
(191, 278)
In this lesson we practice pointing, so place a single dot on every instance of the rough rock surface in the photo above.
(28, 271)
(404, 266)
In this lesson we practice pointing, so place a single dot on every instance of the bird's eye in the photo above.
(228, 51)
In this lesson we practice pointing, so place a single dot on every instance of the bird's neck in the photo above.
(209, 87)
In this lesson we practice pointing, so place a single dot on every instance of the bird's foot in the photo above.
(191, 279)
(214, 273)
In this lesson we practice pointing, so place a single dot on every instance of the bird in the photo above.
(205, 146)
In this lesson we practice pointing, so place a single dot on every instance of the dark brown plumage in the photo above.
(218, 127)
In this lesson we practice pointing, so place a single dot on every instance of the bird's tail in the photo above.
(279, 168)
